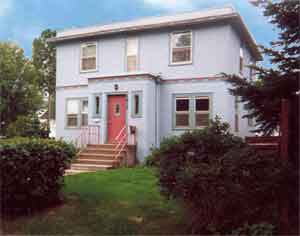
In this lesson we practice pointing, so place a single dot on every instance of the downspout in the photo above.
(157, 84)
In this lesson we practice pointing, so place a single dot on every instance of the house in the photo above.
(150, 78)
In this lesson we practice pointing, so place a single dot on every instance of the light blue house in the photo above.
(159, 76)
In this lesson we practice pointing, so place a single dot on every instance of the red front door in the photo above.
(116, 116)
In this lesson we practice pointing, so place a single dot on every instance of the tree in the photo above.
(44, 59)
(263, 96)
(20, 94)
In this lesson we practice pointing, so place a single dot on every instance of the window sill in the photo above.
(88, 71)
(180, 63)
(72, 128)
(188, 128)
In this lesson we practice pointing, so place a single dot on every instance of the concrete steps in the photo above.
(95, 158)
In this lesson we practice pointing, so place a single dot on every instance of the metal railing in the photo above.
(89, 135)
(121, 141)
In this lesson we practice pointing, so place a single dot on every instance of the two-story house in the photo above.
(160, 75)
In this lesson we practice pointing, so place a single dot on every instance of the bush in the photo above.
(213, 141)
(223, 182)
(27, 126)
(32, 172)
(255, 230)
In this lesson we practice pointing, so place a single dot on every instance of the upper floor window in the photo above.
(241, 61)
(181, 47)
(88, 60)
(132, 54)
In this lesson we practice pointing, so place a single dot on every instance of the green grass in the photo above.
(122, 201)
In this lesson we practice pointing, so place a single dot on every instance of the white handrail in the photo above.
(121, 142)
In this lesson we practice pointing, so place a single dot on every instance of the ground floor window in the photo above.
(77, 112)
(97, 105)
(192, 111)
(136, 110)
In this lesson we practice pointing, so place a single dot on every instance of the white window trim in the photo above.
(171, 48)
(183, 112)
(192, 109)
(137, 55)
(81, 49)
(79, 115)
(94, 95)
(202, 112)
(140, 95)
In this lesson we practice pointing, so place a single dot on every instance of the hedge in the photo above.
(222, 182)
(32, 172)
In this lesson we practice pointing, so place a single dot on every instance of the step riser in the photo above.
(99, 151)
(90, 168)
(98, 156)
(96, 162)
(106, 146)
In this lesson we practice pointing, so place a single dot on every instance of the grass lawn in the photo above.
(121, 201)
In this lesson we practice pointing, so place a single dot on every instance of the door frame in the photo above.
(107, 94)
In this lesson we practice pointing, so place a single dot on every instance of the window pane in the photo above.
(250, 122)
(84, 119)
(72, 121)
(202, 120)
(241, 60)
(182, 40)
(182, 104)
(72, 107)
(117, 109)
(181, 54)
(182, 120)
(202, 104)
(85, 106)
(136, 104)
(88, 64)
(132, 47)
(97, 105)
(131, 63)
(89, 51)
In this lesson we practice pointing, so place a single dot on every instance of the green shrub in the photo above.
(32, 172)
(222, 182)
(213, 141)
(255, 230)
(27, 126)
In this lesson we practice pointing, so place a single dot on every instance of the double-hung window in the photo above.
(241, 61)
(202, 111)
(192, 111)
(182, 112)
(132, 48)
(88, 60)
(77, 112)
(181, 47)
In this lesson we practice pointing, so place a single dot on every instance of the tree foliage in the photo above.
(44, 60)
(263, 95)
(20, 94)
